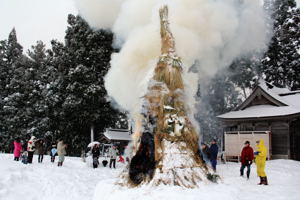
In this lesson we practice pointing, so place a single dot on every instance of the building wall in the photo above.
(295, 139)
(280, 136)
(280, 139)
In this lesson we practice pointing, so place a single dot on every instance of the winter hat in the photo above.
(247, 142)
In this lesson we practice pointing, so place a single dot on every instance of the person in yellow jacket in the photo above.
(260, 161)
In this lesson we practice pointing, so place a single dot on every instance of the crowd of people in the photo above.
(26, 153)
(209, 155)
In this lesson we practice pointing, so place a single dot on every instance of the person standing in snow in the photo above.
(113, 156)
(260, 161)
(17, 149)
(246, 158)
(61, 151)
(213, 150)
(40, 147)
(205, 154)
(31, 148)
(95, 154)
(53, 152)
(24, 157)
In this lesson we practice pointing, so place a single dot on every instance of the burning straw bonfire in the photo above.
(166, 149)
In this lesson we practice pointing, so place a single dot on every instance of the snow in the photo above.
(118, 134)
(45, 181)
(260, 111)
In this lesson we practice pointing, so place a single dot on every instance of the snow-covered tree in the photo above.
(78, 91)
(282, 60)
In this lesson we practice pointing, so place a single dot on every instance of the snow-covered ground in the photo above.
(75, 180)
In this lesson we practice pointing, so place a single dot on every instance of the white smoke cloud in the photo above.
(213, 32)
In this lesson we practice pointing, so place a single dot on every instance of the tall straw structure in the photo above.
(167, 152)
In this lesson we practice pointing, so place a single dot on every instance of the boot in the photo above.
(59, 164)
(265, 181)
(261, 180)
(248, 175)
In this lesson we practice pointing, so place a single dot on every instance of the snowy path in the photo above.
(77, 181)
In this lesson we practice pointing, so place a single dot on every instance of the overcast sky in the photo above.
(35, 19)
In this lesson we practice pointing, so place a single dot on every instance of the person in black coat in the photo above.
(95, 154)
(213, 150)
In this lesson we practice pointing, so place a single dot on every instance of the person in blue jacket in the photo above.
(213, 150)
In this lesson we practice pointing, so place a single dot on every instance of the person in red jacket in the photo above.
(247, 157)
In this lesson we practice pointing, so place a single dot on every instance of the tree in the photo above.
(12, 63)
(80, 97)
(281, 61)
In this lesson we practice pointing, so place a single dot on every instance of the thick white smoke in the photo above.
(213, 32)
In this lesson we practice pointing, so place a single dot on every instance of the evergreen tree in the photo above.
(12, 63)
(81, 97)
(281, 61)
(243, 73)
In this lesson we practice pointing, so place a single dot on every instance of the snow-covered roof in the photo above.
(288, 104)
(118, 134)
(260, 111)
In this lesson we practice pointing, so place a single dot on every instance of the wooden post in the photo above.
(92, 133)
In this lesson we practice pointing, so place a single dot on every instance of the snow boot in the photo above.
(265, 181)
(261, 180)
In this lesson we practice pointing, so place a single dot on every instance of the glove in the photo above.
(256, 153)
(249, 162)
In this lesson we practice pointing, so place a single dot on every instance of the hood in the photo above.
(261, 143)
(32, 138)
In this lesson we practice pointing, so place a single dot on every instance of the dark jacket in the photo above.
(247, 155)
(213, 150)
(95, 152)
(40, 147)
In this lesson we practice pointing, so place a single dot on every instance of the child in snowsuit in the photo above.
(53, 152)
(24, 157)
(17, 149)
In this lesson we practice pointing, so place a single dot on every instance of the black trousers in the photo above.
(41, 156)
(30, 156)
(248, 169)
(112, 161)
(52, 158)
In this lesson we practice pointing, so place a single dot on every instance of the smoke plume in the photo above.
(211, 32)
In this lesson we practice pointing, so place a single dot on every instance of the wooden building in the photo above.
(271, 110)
(118, 137)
